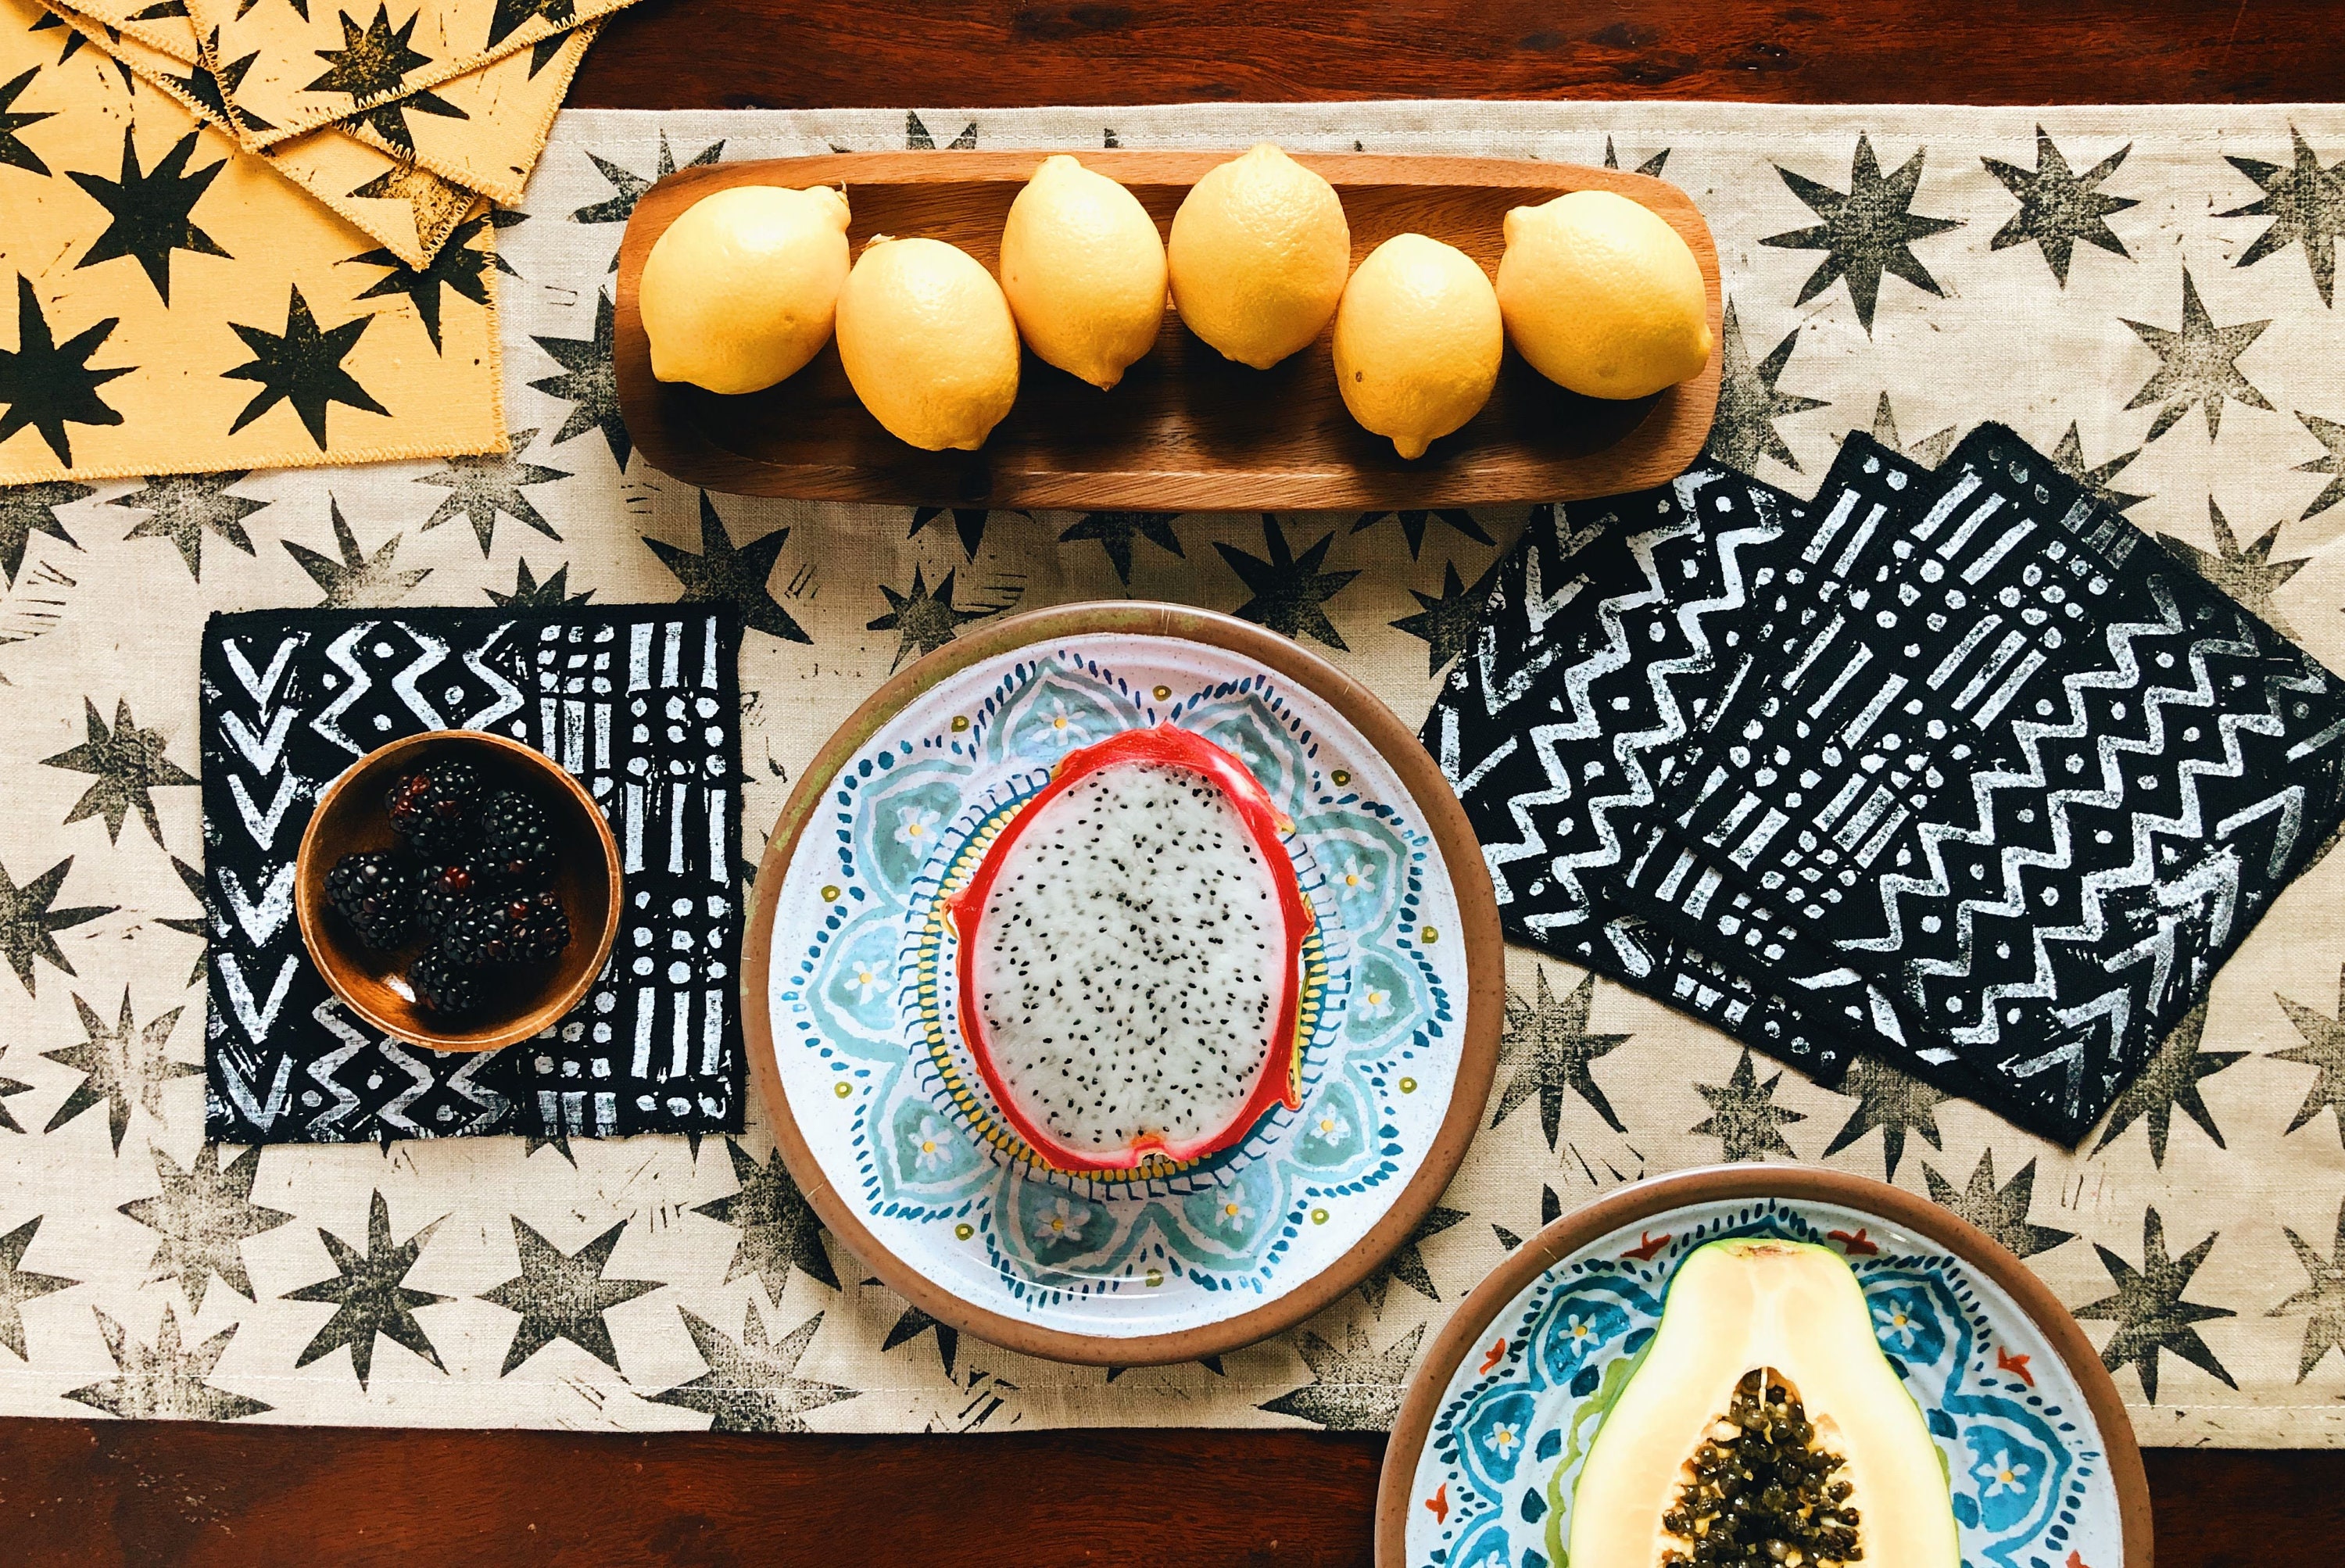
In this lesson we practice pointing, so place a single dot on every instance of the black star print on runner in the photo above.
(1115, 532)
(917, 139)
(1747, 403)
(2248, 572)
(2306, 204)
(458, 266)
(589, 383)
(1547, 1044)
(1413, 522)
(480, 487)
(2330, 435)
(2322, 1300)
(165, 1382)
(2148, 1309)
(49, 385)
(2000, 1211)
(1867, 230)
(562, 1296)
(13, 151)
(19, 1285)
(2171, 1081)
(1929, 451)
(367, 1296)
(2197, 364)
(528, 594)
(199, 926)
(2324, 1050)
(150, 214)
(129, 764)
(1743, 1115)
(29, 509)
(2097, 481)
(751, 1386)
(1448, 623)
(778, 1227)
(1288, 591)
(1407, 1263)
(374, 61)
(303, 366)
(184, 507)
(915, 1323)
(2058, 206)
(117, 1063)
(1651, 166)
(629, 186)
(8, 1089)
(1892, 1100)
(923, 620)
(721, 574)
(28, 926)
(1356, 1388)
(969, 523)
(357, 581)
(201, 1218)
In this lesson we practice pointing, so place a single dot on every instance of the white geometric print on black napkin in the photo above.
(641, 704)
(2043, 785)
(1605, 633)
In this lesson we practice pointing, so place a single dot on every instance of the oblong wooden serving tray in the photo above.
(1186, 430)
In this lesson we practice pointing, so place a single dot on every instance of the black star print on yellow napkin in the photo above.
(179, 307)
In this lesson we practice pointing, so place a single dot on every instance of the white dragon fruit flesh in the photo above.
(1130, 955)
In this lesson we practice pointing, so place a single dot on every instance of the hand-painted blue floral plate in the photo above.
(1500, 1414)
(892, 1137)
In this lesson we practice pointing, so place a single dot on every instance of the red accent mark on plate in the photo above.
(2004, 1362)
(1439, 1505)
(2076, 1560)
(1496, 1350)
(1854, 1246)
(1648, 1244)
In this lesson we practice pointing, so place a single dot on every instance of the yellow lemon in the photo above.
(740, 291)
(1259, 253)
(928, 342)
(1602, 297)
(1084, 272)
(1418, 342)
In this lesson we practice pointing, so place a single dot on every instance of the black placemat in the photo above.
(641, 703)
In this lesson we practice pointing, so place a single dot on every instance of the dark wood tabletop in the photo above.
(92, 1493)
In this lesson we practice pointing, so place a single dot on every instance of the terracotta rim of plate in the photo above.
(1642, 1200)
(1478, 912)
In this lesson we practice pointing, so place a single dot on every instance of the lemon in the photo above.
(740, 291)
(928, 342)
(1602, 297)
(1084, 272)
(1418, 342)
(1259, 253)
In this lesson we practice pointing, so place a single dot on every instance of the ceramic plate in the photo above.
(2042, 1462)
(892, 1137)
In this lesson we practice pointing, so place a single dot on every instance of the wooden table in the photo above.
(92, 1493)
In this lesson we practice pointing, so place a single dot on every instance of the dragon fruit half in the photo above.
(1130, 955)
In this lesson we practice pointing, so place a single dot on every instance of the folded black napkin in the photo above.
(1989, 786)
(641, 703)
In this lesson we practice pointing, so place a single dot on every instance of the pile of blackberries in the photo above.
(471, 886)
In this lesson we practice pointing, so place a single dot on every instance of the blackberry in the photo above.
(433, 808)
(524, 928)
(516, 841)
(445, 889)
(375, 892)
(444, 986)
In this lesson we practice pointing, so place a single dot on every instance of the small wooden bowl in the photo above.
(351, 819)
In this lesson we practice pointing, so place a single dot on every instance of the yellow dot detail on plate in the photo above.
(1155, 1277)
(830, 895)
(1163, 692)
(1340, 776)
(842, 1088)
(1318, 1216)
(963, 1232)
(1408, 1085)
(960, 723)
(1427, 935)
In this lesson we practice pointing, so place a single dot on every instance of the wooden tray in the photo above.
(1186, 430)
